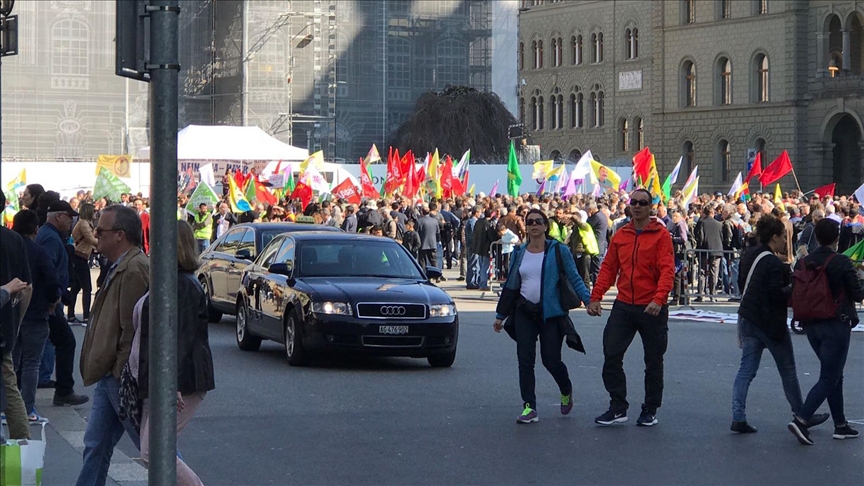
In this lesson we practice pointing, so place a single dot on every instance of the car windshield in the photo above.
(351, 258)
(267, 234)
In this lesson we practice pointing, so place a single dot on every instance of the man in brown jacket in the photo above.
(108, 340)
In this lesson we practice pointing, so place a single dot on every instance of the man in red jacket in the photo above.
(640, 257)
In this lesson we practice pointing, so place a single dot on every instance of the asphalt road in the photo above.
(397, 421)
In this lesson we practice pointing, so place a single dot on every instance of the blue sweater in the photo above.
(549, 280)
(54, 244)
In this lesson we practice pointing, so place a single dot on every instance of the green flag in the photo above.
(514, 178)
(203, 194)
(856, 252)
(109, 186)
(290, 185)
(250, 194)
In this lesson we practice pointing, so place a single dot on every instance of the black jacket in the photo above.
(46, 289)
(411, 242)
(600, 224)
(194, 360)
(482, 237)
(349, 224)
(13, 264)
(765, 300)
(842, 277)
(709, 235)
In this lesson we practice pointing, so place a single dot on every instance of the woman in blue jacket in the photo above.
(530, 300)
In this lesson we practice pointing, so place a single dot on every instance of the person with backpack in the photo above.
(825, 290)
(765, 281)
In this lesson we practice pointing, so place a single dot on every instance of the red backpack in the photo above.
(812, 299)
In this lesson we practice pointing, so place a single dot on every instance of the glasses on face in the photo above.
(534, 222)
(640, 202)
(101, 231)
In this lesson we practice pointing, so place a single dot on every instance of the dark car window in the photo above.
(248, 241)
(232, 241)
(286, 253)
(268, 234)
(347, 258)
(268, 253)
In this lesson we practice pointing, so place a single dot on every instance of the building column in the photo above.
(847, 55)
(821, 62)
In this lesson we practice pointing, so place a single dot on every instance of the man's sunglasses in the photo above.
(640, 202)
(534, 222)
(101, 231)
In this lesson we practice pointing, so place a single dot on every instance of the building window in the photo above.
(640, 133)
(576, 103)
(724, 81)
(688, 84)
(760, 67)
(576, 40)
(725, 9)
(70, 48)
(521, 56)
(540, 54)
(452, 62)
(623, 133)
(269, 65)
(534, 120)
(597, 47)
(761, 7)
(522, 110)
(688, 10)
(557, 51)
(760, 149)
(398, 57)
(574, 156)
(558, 113)
(688, 155)
(631, 38)
(724, 157)
(540, 113)
(597, 102)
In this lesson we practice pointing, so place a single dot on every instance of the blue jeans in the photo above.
(473, 276)
(104, 431)
(830, 341)
(202, 245)
(484, 262)
(753, 342)
(27, 356)
(734, 267)
(46, 366)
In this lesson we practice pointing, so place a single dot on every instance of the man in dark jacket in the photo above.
(600, 224)
(411, 240)
(472, 274)
(483, 236)
(762, 320)
(709, 236)
(830, 338)
(349, 224)
(429, 231)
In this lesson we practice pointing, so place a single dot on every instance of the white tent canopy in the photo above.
(222, 142)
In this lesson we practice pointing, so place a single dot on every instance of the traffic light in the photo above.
(132, 39)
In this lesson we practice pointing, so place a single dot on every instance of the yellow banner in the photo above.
(115, 164)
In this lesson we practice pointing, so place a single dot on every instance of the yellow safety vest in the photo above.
(557, 231)
(589, 241)
(205, 232)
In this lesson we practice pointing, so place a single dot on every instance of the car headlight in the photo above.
(332, 308)
(442, 310)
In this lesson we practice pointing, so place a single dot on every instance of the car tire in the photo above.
(442, 360)
(245, 340)
(213, 315)
(294, 350)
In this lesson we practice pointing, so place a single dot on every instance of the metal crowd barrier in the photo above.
(696, 274)
(497, 269)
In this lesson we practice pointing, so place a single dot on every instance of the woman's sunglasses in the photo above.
(640, 202)
(534, 222)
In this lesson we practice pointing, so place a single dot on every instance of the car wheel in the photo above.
(442, 360)
(213, 315)
(245, 340)
(294, 350)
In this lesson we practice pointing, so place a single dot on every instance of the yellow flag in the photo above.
(471, 191)
(115, 164)
(316, 159)
(778, 198)
(542, 169)
(236, 199)
(433, 174)
(19, 181)
(604, 176)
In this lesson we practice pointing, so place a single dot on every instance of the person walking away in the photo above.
(678, 231)
(807, 242)
(709, 239)
(583, 245)
(85, 243)
(531, 299)
(600, 224)
(829, 334)
(766, 285)
(144, 215)
(641, 260)
(411, 240)
(483, 236)
(472, 276)
(195, 375)
(34, 330)
(108, 338)
(508, 241)
(203, 226)
(428, 229)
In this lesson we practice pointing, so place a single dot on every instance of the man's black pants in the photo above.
(429, 258)
(63, 340)
(624, 322)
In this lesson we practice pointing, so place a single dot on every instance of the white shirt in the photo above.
(508, 240)
(531, 272)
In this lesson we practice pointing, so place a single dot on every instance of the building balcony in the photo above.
(842, 85)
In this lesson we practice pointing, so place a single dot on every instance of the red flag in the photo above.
(642, 165)
(240, 179)
(826, 190)
(394, 173)
(347, 191)
(447, 177)
(408, 170)
(366, 187)
(779, 168)
(419, 178)
(756, 170)
(458, 188)
(407, 164)
(303, 193)
(263, 195)
(465, 185)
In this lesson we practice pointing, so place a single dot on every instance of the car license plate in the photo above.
(393, 329)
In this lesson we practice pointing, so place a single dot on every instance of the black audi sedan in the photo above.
(345, 293)
(223, 262)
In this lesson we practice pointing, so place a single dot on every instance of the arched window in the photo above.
(624, 136)
(724, 81)
(555, 155)
(522, 110)
(553, 112)
(760, 75)
(535, 56)
(688, 155)
(725, 7)
(597, 47)
(640, 133)
(557, 52)
(631, 43)
(539, 54)
(688, 84)
(724, 159)
(70, 48)
(559, 109)
(761, 150)
(574, 156)
(399, 56)
(521, 56)
(597, 102)
(856, 43)
(593, 109)
(534, 114)
(540, 113)
(576, 48)
(576, 103)
(688, 11)
(601, 118)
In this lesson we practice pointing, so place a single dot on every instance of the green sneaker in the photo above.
(528, 416)
(566, 403)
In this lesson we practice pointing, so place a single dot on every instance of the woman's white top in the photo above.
(531, 272)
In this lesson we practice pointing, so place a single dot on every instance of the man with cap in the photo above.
(52, 237)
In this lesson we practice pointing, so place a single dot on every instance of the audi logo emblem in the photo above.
(393, 310)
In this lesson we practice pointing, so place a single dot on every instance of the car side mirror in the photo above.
(433, 273)
(244, 254)
(281, 269)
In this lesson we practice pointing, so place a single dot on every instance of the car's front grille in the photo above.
(385, 310)
(393, 341)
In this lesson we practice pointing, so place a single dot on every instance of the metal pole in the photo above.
(164, 70)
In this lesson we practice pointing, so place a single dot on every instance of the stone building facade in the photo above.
(713, 82)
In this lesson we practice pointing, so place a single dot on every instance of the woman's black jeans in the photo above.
(529, 325)
(81, 282)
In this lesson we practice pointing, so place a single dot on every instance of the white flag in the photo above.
(859, 195)
(207, 176)
(583, 167)
(315, 180)
(736, 186)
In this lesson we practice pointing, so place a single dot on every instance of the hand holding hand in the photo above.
(14, 286)
(180, 403)
(594, 309)
(653, 309)
(498, 325)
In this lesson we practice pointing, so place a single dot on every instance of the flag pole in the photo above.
(796, 180)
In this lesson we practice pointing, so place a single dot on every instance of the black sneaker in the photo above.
(70, 399)
(799, 430)
(742, 427)
(646, 419)
(845, 432)
(817, 419)
(611, 418)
